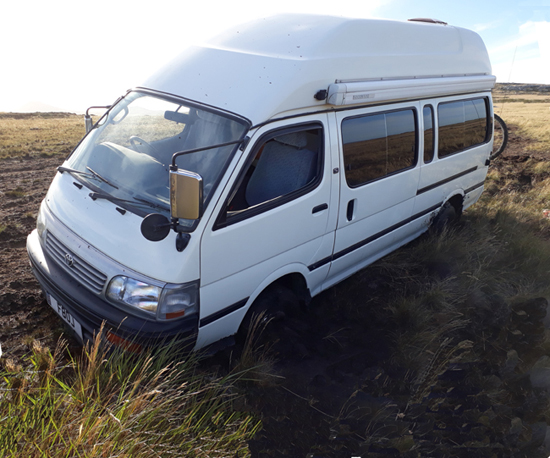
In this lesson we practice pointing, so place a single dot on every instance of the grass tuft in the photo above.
(108, 403)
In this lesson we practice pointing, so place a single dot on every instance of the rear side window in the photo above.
(428, 114)
(462, 124)
(378, 145)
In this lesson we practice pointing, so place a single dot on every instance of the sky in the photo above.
(73, 54)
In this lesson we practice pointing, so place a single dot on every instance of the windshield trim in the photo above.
(204, 106)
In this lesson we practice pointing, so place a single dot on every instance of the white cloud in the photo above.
(485, 26)
(525, 57)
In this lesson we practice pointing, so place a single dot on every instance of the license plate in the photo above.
(66, 316)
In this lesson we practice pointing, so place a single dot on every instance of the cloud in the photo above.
(486, 26)
(524, 57)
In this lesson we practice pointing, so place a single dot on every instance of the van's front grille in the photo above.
(88, 275)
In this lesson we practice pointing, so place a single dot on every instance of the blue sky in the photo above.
(73, 54)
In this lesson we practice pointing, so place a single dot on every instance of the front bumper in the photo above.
(92, 311)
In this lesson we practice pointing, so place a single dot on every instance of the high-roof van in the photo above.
(275, 160)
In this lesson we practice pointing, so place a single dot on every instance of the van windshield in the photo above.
(127, 156)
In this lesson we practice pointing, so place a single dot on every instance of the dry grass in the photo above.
(530, 113)
(39, 134)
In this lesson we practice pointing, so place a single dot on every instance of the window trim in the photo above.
(488, 119)
(414, 109)
(224, 220)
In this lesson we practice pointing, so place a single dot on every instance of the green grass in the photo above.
(107, 404)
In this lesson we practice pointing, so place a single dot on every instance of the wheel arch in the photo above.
(291, 277)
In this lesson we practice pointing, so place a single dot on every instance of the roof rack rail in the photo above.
(428, 20)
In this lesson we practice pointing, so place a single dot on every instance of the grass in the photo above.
(530, 114)
(108, 403)
(16, 193)
(44, 134)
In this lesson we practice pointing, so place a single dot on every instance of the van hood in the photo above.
(117, 234)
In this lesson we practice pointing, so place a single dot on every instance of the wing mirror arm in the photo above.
(88, 122)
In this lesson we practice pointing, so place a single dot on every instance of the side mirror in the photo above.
(185, 194)
(88, 122)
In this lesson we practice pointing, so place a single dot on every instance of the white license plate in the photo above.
(65, 315)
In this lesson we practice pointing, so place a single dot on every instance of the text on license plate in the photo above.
(65, 315)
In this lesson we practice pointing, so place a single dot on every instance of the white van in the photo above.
(279, 158)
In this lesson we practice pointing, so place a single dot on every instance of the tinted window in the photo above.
(378, 145)
(428, 115)
(462, 124)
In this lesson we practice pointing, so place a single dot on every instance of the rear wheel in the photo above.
(447, 217)
(500, 137)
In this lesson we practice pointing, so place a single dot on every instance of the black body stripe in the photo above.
(474, 187)
(446, 180)
(372, 238)
(221, 313)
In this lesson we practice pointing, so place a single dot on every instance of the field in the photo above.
(439, 349)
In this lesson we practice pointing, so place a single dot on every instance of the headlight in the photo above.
(135, 293)
(41, 221)
(168, 303)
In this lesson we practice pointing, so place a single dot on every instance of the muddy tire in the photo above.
(272, 305)
(447, 217)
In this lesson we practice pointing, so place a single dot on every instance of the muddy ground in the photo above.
(329, 378)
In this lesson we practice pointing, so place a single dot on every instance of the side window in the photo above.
(428, 115)
(285, 165)
(378, 145)
(462, 124)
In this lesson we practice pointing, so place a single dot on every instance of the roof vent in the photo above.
(428, 20)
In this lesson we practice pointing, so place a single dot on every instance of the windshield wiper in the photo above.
(62, 169)
(137, 201)
(92, 174)
(99, 177)
(152, 204)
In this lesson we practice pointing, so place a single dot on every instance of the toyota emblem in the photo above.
(69, 260)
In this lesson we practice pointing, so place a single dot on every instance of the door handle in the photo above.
(350, 210)
(319, 208)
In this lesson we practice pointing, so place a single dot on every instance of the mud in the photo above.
(24, 314)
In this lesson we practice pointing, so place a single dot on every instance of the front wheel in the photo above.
(500, 139)
(270, 307)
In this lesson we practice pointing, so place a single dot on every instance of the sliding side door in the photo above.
(378, 184)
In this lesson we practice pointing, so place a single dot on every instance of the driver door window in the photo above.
(284, 165)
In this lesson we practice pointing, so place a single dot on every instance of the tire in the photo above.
(272, 305)
(446, 217)
(500, 138)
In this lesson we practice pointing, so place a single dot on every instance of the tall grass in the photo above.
(111, 404)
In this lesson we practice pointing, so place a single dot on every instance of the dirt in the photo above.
(24, 314)
(330, 376)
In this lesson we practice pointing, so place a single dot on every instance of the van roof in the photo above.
(264, 68)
